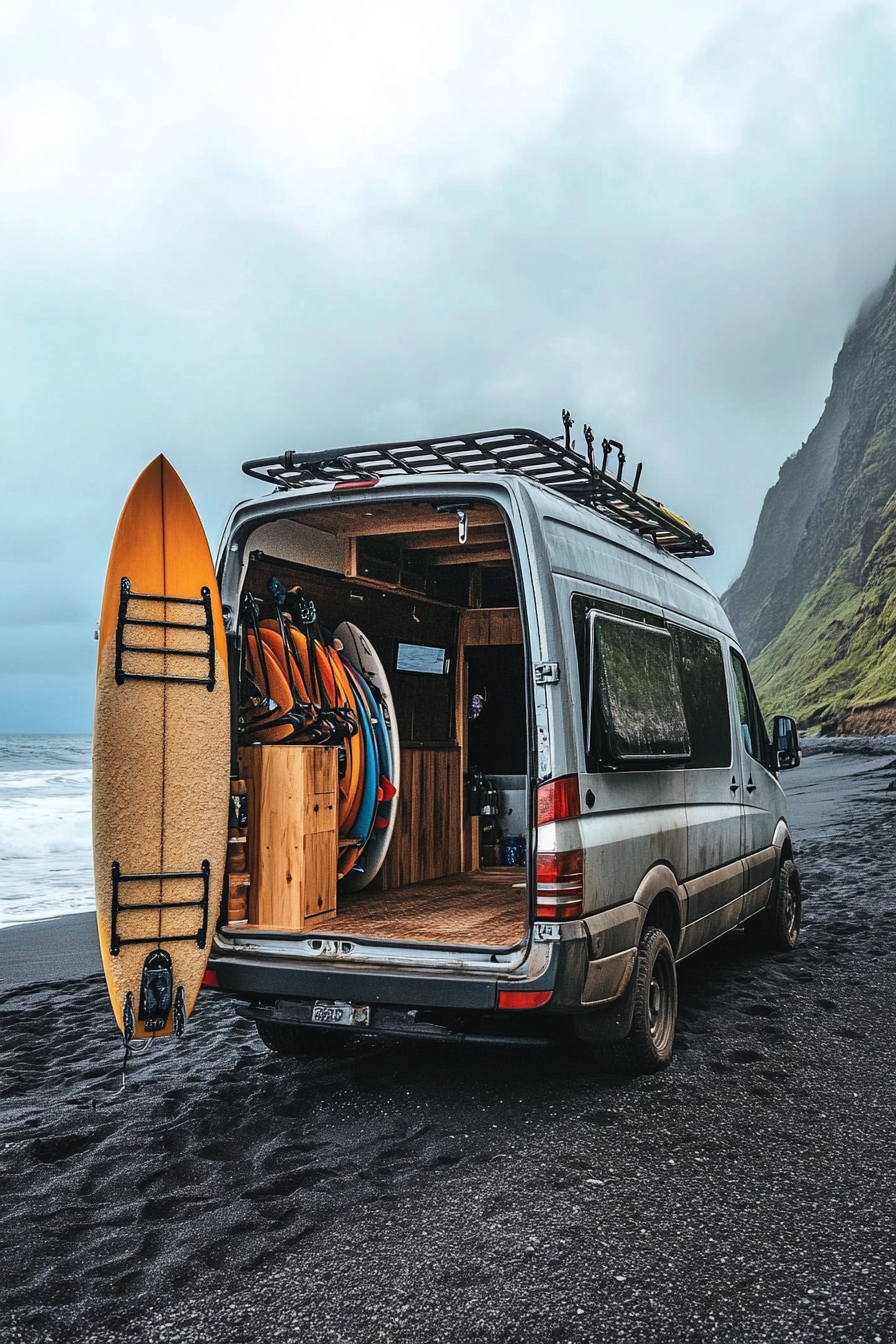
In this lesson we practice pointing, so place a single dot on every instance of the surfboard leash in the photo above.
(132, 1047)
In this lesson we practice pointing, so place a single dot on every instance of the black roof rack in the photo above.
(522, 452)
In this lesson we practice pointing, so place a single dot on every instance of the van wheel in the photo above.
(285, 1039)
(777, 927)
(648, 1046)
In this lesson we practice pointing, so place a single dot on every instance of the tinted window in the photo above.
(637, 706)
(752, 729)
(705, 695)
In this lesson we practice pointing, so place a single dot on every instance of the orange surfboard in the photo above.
(161, 758)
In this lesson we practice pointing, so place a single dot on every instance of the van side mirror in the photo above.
(786, 743)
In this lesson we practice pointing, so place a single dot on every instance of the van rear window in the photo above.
(636, 700)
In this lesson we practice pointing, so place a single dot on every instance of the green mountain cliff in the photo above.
(815, 605)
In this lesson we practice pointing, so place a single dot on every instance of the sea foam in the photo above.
(45, 842)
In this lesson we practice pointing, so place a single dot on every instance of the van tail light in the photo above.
(514, 998)
(557, 799)
(558, 885)
(210, 980)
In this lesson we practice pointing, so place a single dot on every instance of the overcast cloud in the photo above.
(231, 228)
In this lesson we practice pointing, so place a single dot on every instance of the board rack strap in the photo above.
(117, 942)
(206, 628)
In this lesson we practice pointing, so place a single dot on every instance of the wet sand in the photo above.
(411, 1192)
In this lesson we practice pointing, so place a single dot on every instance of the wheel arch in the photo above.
(782, 842)
(662, 898)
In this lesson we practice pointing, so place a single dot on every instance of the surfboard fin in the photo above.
(180, 1012)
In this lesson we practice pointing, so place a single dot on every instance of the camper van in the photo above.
(496, 764)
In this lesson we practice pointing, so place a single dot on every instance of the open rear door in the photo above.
(161, 758)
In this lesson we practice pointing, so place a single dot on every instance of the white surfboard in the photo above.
(358, 650)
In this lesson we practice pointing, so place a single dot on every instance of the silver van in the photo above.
(587, 794)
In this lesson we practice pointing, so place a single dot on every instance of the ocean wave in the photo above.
(46, 863)
(36, 827)
(76, 780)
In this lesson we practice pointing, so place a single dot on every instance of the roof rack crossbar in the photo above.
(522, 452)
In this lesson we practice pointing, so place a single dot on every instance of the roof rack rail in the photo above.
(521, 452)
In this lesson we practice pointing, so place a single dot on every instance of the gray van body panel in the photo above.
(692, 839)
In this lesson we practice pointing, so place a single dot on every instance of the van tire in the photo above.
(777, 927)
(285, 1039)
(648, 1046)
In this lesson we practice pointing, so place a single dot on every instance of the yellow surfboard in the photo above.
(161, 758)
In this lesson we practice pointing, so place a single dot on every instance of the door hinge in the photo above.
(547, 674)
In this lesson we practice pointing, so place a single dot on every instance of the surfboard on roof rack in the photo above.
(524, 452)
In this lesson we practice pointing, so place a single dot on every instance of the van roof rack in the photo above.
(520, 452)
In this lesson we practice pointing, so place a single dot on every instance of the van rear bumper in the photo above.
(561, 967)
(259, 978)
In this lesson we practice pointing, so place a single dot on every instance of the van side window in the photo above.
(705, 694)
(752, 729)
(636, 706)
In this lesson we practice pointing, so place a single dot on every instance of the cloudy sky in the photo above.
(231, 227)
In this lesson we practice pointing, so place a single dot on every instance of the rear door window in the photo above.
(636, 707)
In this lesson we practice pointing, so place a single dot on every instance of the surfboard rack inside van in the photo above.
(523, 452)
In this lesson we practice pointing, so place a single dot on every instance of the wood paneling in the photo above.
(293, 818)
(426, 843)
(472, 555)
(491, 625)
(487, 909)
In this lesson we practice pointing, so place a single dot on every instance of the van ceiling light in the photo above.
(517, 452)
(557, 799)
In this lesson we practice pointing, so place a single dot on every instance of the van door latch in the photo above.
(547, 674)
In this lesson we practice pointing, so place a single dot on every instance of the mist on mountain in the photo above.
(815, 605)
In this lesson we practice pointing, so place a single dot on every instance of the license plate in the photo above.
(340, 1014)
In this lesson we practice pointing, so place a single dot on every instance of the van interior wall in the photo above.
(435, 843)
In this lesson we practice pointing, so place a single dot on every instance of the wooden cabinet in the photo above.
(292, 834)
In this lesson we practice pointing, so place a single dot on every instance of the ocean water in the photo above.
(46, 862)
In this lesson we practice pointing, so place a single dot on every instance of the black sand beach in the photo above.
(416, 1193)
